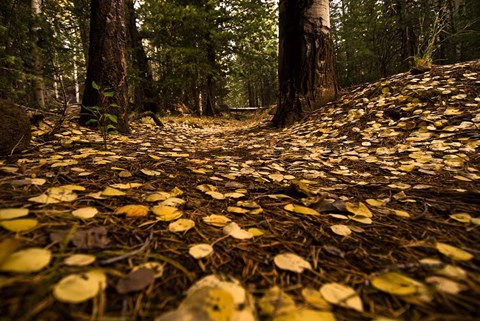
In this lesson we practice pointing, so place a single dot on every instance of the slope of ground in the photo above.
(385, 180)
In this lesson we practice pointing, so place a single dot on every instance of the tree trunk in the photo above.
(210, 103)
(145, 96)
(107, 62)
(38, 84)
(306, 62)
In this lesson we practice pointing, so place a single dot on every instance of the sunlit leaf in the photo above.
(341, 295)
(291, 262)
(26, 261)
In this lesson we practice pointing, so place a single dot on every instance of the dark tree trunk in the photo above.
(145, 96)
(210, 102)
(306, 62)
(107, 62)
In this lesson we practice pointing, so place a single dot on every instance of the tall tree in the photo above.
(107, 62)
(306, 71)
(38, 84)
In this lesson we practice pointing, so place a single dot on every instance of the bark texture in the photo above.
(107, 62)
(306, 61)
(145, 96)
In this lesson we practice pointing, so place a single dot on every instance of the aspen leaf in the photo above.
(341, 229)
(167, 213)
(181, 225)
(26, 261)
(341, 295)
(315, 299)
(149, 172)
(158, 196)
(215, 195)
(234, 195)
(291, 262)
(304, 314)
(85, 212)
(395, 283)
(79, 260)
(110, 191)
(9, 213)
(401, 213)
(175, 192)
(461, 217)
(275, 301)
(19, 225)
(77, 288)
(241, 234)
(446, 285)
(216, 220)
(256, 231)
(206, 188)
(361, 219)
(133, 210)
(199, 251)
(358, 209)
(374, 202)
(173, 201)
(301, 209)
(453, 252)
(126, 186)
(7, 247)
(237, 210)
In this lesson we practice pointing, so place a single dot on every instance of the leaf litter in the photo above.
(375, 199)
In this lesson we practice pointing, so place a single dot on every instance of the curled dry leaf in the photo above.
(291, 262)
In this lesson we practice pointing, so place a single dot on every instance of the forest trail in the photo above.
(385, 180)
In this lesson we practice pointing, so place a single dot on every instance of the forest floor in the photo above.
(376, 198)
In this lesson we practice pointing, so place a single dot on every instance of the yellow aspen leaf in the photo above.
(176, 192)
(304, 314)
(110, 191)
(341, 295)
(395, 283)
(374, 202)
(216, 220)
(358, 209)
(237, 210)
(361, 219)
(256, 231)
(85, 212)
(341, 229)
(275, 301)
(199, 251)
(291, 262)
(173, 201)
(401, 213)
(166, 213)
(133, 210)
(462, 217)
(79, 260)
(215, 195)
(126, 186)
(26, 261)
(77, 288)
(19, 225)
(9, 213)
(315, 299)
(301, 209)
(453, 252)
(158, 196)
(181, 225)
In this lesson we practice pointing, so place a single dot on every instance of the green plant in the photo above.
(102, 118)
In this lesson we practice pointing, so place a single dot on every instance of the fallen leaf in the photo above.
(291, 262)
(110, 191)
(166, 213)
(358, 209)
(304, 314)
(216, 220)
(79, 260)
(199, 251)
(135, 281)
(77, 288)
(9, 213)
(133, 210)
(341, 229)
(26, 261)
(181, 225)
(315, 299)
(85, 212)
(19, 225)
(301, 209)
(395, 283)
(341, 295)
(453, 252)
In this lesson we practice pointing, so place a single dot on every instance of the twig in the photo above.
(129, 254)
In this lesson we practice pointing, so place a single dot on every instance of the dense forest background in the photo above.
(184, 55)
